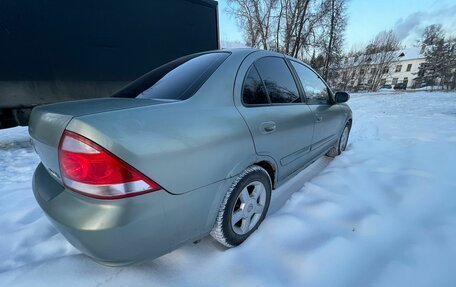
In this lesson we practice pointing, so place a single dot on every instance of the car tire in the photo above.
(244, 207)
(341, 143)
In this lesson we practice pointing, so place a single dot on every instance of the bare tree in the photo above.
(293, 27)
(262, 12)
(255, 17)
(362, 62)
(381, 52)
(298, 37)
(365, 67)
(332, 48)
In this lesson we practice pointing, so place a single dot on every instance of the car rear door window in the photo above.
(253, 92)
(316, 90)
(277, 78)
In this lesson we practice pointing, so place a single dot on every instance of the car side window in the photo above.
(280, 85)
(316, 91)
(253, 92)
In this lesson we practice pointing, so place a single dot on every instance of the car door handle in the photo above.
(268, 127)
(319, 118)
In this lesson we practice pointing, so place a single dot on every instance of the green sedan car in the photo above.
(192, 148)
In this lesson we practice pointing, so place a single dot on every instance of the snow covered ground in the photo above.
(381, 214)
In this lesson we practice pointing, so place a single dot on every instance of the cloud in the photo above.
(404, 27)
(414, 24)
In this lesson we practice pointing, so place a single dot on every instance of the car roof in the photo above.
(247, 51)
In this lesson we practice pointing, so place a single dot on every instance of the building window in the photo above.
(405, 81)
(394, 81)
(361, 72)
(409, 67)
(373, 71)
(385, 70)
(398, 68)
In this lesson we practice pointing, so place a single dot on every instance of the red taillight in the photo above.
(93, 171)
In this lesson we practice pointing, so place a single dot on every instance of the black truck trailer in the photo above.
(54, 50)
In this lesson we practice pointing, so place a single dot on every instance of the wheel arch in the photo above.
(270, 168)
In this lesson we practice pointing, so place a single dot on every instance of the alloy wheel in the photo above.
(248, 208)
(344, 139)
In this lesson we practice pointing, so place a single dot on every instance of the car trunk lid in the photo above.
(47, 124)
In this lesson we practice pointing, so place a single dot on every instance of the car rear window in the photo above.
(176, 80)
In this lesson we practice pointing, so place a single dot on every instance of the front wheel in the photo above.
(244, 207)
(341, 144)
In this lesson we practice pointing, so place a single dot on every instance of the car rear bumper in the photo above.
(124, 231)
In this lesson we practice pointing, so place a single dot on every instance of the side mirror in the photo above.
(342, 97)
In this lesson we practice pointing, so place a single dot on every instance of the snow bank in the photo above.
(381, 214)
(25, 234)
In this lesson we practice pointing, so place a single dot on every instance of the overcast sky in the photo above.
(368, 17)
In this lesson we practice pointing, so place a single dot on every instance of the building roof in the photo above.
(410, 53)
(402, 55)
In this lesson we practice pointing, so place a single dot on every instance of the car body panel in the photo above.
(223, 143)
(327, 125)
(48, 122)
(194, 153)
(295, 122)
(193, 149)
(120, 232)
(330, 118)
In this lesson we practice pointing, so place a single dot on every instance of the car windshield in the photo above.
(175, 81)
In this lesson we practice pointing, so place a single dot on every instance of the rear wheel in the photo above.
(341, 144)
(244, 207)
